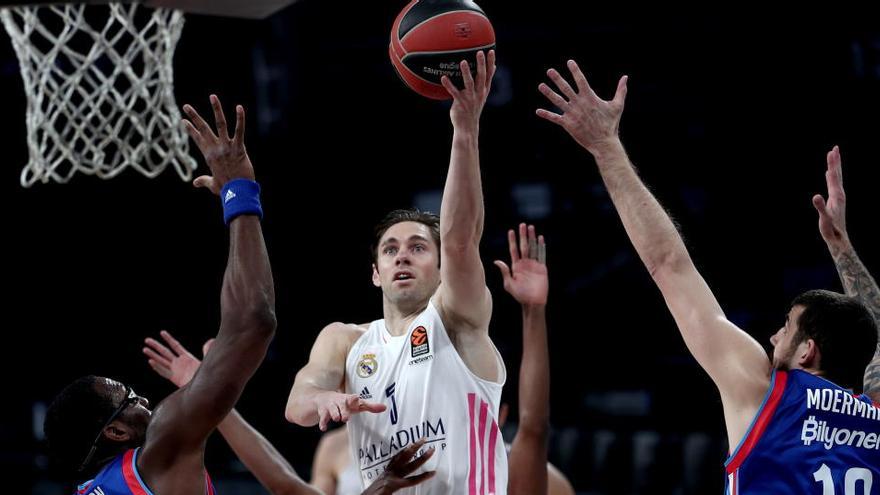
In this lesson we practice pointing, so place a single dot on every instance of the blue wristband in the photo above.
(240, 197)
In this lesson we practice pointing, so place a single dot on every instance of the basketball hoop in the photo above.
(100, 90)
(99, 82)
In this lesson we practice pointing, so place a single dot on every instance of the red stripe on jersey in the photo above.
(209, 487)
(129, 471)
(761, 422)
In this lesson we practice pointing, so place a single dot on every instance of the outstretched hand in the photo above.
(173, 361)
(399, 468)
(590, 120)
(832, 212)
(226, 156)
(526, 278)
(339, 407)
(468, 102)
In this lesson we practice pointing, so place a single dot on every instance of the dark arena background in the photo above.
(728, 119)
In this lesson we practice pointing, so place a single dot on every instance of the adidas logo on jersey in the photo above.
(229, 196)
(365, 394)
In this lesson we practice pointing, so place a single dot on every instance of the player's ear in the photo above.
(376, 281)
(809, 356)
(118, 431)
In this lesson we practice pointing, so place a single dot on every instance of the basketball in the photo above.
(430, 38)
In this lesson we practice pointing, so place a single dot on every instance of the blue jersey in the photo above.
(810, 436)
(121, 477)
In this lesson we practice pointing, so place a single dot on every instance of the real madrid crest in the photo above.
(367, 365)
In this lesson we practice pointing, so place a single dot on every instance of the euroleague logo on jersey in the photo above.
(418, 342)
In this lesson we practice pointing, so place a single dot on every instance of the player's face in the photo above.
(135, 412)
(407, 264)
(784, 347)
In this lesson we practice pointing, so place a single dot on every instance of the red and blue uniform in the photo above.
(121, 477)
(810, 436)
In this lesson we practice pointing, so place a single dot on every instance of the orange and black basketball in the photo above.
(430, 38)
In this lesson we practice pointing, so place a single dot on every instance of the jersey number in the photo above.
(389, 392)
(853, 476)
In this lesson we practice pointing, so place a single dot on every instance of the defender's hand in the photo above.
(226, 156)
(526, 278)
(590, 120)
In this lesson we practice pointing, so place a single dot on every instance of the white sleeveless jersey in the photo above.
(429, 392)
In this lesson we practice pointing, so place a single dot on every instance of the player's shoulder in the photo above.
(344, 332)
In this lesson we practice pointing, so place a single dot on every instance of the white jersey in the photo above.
(349, 481)
(429, 392)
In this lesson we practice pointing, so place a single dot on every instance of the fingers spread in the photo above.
(173, 343)
(579, 78)
(152, 355)
(511, 244)
(533, 243)
(491, 63)
(466, 75)
(561, 83)
(193, 132)
(505, 270)
(523, 241)
(819, 204)
(160, 348)
(450, 88)
(547, 115)
(558, 101)
(198, 122)
(620, 94)
(219, 117)
(239, 125)
(542, 250)
(481, 70)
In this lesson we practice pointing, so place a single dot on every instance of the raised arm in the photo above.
(316, 397)
(463, 298)
(184, 420)
(174, 362)
(526, 280)
(856, 280)
(738, 365)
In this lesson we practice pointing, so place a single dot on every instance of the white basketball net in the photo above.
(100, 90)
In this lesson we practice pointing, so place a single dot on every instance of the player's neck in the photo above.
(398, 317)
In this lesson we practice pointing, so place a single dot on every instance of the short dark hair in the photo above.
(844, 331)
(72, 422)
(427, 218)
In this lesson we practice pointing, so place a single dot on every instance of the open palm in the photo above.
(173, 361)
(526, 278)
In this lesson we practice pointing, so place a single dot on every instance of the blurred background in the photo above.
(728, 118)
